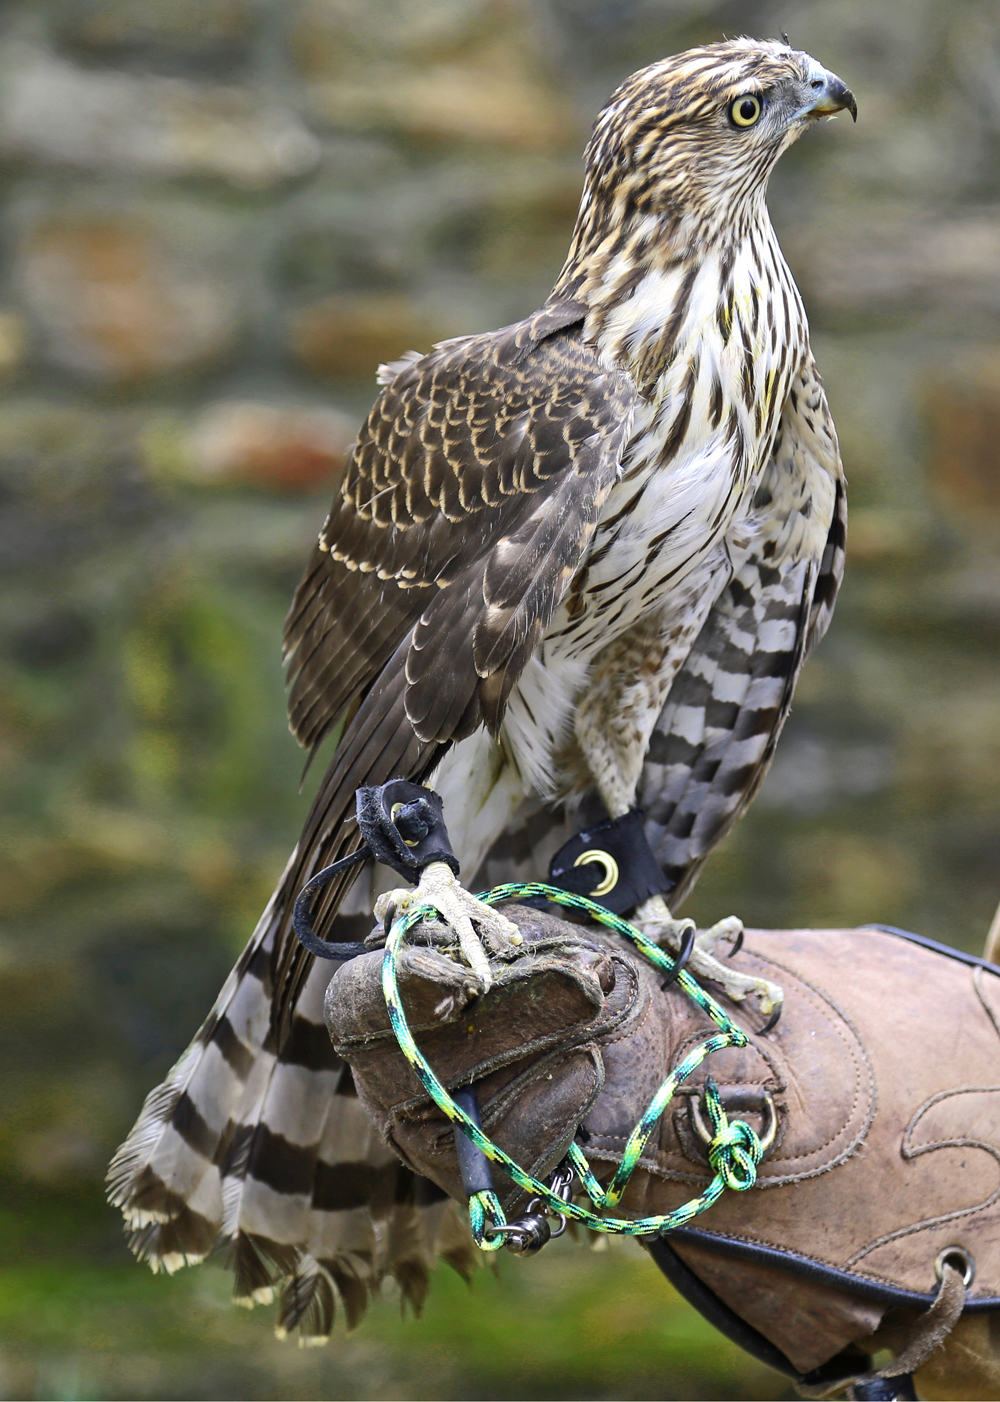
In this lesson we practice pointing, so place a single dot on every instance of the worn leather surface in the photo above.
(530, 1045)
(888, 1148)
(883, 1074)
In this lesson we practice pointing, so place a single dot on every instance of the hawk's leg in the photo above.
(439, 887)
(654, 919)
(614, 721)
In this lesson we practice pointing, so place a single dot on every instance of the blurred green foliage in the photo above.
(569, 1325)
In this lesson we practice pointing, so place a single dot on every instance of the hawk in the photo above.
(577, 560)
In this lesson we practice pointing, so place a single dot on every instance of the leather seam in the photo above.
(858, 1058)
(909, 1154)
(862, 1063)
(620, 1033)
(817, 1002)
(783, 1247)
(792, 1261)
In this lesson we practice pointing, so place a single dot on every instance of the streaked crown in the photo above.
(685, 146)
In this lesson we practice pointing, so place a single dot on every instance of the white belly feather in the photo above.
(668, 555)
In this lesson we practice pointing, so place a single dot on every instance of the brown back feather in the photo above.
(470, 497)
(492, 448)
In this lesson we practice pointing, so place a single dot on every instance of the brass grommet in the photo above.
(601, 859)
(960, 1259)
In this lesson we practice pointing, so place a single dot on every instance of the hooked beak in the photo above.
(831, 95)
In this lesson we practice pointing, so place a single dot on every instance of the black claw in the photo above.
(738, 945)
(771, 1022)
(681, 959)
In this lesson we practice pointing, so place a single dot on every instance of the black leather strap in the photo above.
(402, 825)
(302, 919)
(611, 862)
(473, 1164)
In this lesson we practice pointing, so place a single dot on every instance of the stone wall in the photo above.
(218, 216)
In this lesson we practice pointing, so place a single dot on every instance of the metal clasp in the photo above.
(527, 1234)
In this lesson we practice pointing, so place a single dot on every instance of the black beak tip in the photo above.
(842, 93)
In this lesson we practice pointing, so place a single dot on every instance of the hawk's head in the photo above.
(690, 141)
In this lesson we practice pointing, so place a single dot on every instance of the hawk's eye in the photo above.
(745, 110)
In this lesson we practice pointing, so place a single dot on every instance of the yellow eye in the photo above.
(745, 110)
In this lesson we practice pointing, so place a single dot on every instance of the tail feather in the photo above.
(257, 1139)
(183, 1241)
(308, 1303)
(352, 1286)
(166, 1176)
(409, 1253)
(453, 1242)
(258, 1263)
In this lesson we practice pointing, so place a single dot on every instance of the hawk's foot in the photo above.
(653, 918)
(492, 932)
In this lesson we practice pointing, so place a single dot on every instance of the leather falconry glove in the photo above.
(875, 1219)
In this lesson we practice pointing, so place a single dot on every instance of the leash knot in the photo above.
(734, 1151)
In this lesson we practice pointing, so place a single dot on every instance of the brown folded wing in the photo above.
(468, 501)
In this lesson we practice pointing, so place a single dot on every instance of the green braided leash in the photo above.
(734, 1150)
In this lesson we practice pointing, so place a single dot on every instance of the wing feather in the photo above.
(480, 473)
